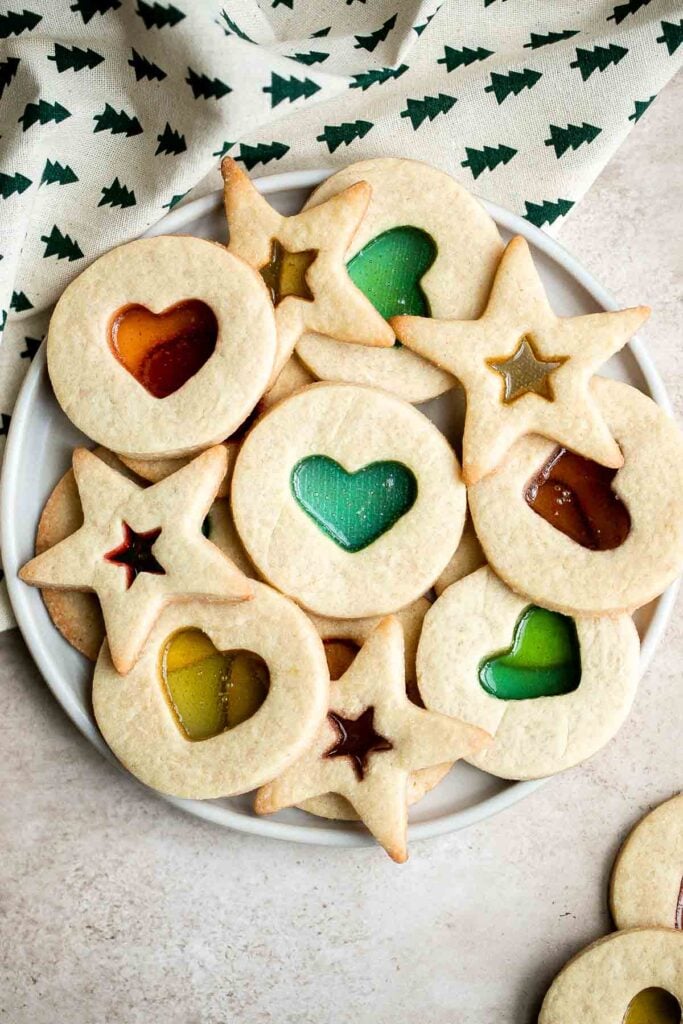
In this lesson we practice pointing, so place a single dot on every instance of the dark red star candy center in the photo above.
(136, 554)
(357, 739)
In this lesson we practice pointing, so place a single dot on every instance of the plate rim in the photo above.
(347, 835)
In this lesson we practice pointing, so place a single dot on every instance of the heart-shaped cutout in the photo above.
(389, 268)
(164, 350)
(353, 509)
(575, 496)
(544, 659)
(209, 690)
(653, 1006)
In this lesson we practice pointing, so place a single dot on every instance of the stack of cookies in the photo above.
(288, 580)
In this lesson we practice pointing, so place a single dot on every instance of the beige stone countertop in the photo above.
(117, 908)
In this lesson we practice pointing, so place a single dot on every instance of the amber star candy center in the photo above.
(525, 372)
(285, 273)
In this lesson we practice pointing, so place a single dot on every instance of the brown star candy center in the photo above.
(357, 739)
(135, 554)
(525, 372)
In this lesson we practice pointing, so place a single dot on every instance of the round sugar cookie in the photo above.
(348, 499)
(292, 377)
(437, 229)
(342, 638)
(136, 716)
(555, 570)
(646, 888)
(552, 691)
(76, 614)
(467, 558)
(162, 346)
(603, 983)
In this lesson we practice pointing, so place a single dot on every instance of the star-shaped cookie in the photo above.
(372, 739)
(140, 548)
(302, 260)
(525, 370)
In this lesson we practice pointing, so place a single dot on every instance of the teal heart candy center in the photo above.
(543, 661)
(388, 271)
(353, 509)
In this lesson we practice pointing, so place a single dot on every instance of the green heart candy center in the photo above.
(388, 271)
(209, 690)
(653, 1006)
(543, 661)
(353, 509)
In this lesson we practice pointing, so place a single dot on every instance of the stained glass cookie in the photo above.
(223, 697)
(140, 548)
(371, 740)
(342, 639)
(576, 537)
(425, 247)
(550, 689)
(646, 888)
(162, 347)
(348, 499)
(629, 977)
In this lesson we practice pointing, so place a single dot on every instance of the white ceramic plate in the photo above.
(38, 452)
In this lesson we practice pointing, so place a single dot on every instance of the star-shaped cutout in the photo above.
(164, 552)
(357, 739)
(477, 351)
(371, 740)
(136, 555)
(525, 373)
(313, 244)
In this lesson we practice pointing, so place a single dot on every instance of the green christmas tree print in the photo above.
(11, 184)
(312, 57)
(118, 123)
(511, 84)
(291, 89)
(372, 41)
(487, 159)
(321, 33)
(640, 108)
(206, 88)
(225, 148)
(174, 200)
(42, 112)
(62, 246)
(117, 194)
(672, 36)
(428, 108)
(74, 59)
(336, 135)
(8, 69)
(31, 346)
(171, 142)
(89, 8)
(571, 137)
(547, 212)
(231, 28)
(56, 174)
(12, 24)
(20, 302)
(144, 68)
(622, 11)
(536, 41)
(377, 76)
(419, 29)
(597, 59)
(158, 15)
(261, 153)
(462, 58)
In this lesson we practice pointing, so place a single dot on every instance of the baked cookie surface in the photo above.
(348, 499)
(441, 247)
(550, 690)
(136, 715)
(180, 335)
(536, 554)
(646, 888)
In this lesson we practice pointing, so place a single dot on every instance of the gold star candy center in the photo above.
(524, 372)
(285, 273)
